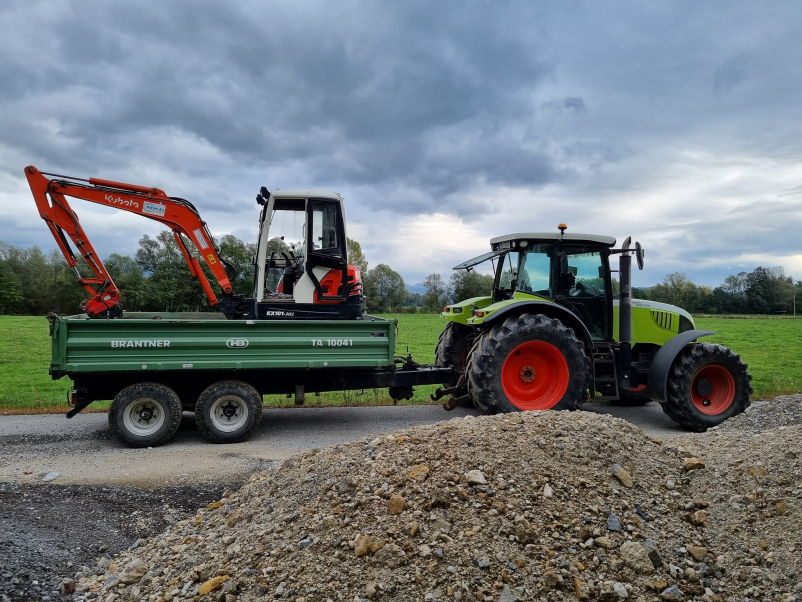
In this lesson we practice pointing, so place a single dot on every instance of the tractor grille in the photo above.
(665, 319)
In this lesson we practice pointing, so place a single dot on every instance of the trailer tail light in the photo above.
(72, 396)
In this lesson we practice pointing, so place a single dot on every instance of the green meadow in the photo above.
(770, 347)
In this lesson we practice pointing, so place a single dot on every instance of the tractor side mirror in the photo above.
(639, 255)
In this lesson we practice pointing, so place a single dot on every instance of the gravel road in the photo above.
(84, 451)
(107, 496)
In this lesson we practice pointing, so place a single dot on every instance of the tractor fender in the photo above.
(552, 310)
(664, 358)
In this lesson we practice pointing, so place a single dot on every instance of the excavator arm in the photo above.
(177, 214)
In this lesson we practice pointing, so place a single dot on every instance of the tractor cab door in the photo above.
(583, 286)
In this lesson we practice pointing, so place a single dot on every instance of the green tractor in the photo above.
(555, 334)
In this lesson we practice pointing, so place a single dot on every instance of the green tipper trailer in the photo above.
(155, 365)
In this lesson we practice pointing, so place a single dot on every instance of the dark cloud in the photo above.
(412, 108)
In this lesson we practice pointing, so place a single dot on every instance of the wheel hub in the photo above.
(527, 373)
(712, 389)
(144, 417)
(704, 387)
(229, 413)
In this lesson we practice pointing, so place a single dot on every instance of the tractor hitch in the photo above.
(458, 394)
(78, 401)
(455, 402)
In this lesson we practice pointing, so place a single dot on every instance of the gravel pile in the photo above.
(535, 506)
(753, 481)
(785, 410)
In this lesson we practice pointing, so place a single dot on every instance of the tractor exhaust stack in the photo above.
(625, 313)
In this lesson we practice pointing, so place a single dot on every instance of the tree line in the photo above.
(761, 291)
(156, 278)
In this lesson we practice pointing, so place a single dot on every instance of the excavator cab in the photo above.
(302, 269)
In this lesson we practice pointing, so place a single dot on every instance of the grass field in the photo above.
(770, 347)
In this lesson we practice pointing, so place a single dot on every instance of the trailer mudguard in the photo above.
(661, 364)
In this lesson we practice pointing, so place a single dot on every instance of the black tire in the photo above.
(631, 397)
(453, 346)
(228, 411)
(694, 364)
(488, 356)
(145, 414)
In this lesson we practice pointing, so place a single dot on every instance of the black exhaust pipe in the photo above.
(625, 314)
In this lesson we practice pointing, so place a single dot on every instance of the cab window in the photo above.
(324, 227)
(582, 287)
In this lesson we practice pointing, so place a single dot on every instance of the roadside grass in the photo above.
(769, 346)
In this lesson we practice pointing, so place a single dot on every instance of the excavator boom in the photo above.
(177, 214)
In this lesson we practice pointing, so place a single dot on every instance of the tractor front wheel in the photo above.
(528, 362)
(706, 385)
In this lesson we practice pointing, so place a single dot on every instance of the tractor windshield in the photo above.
(535, 271)
(527, 271)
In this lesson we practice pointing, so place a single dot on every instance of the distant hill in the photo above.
(416, 288)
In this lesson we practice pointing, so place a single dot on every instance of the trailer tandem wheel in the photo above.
(228, 411)
(145, 414)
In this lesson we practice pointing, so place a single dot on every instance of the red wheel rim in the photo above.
(712, 389)
(534, 376)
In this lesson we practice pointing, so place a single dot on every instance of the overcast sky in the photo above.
(442, 124)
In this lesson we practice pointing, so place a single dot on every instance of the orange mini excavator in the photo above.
(301, 271)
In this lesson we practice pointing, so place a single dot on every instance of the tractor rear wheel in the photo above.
(636, 396)
(706, 385)
(528, 362)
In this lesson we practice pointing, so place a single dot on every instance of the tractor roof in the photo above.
(550, 236)
(305, 194)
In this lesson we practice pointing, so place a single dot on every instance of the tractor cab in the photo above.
(301, 264)
(571, 270)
